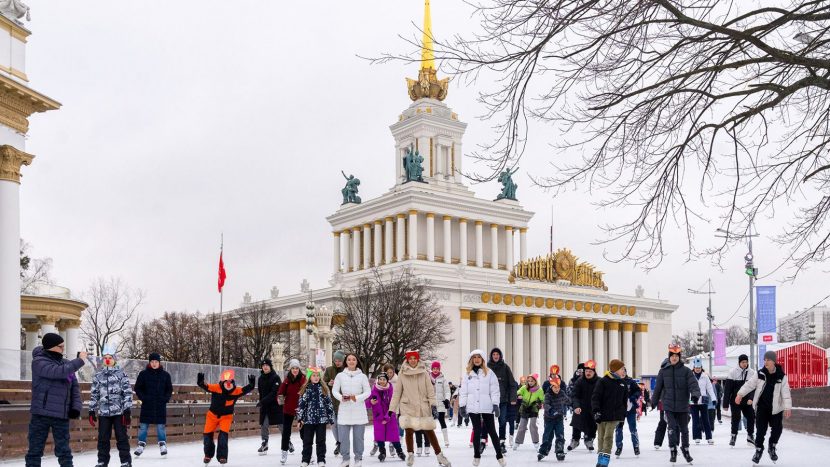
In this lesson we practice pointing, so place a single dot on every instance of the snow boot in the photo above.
(589, 443)
(673, 457)
(686, 455)
(757, 457)
(284, 457)
(442, 460)
(336, 448)
(574, 444)
(618, 451)
(163, 448)
(772, 454)
(732, 440)
(140, 449)
(636, 450)
(374, 449)
(263, 449)
(446, 437)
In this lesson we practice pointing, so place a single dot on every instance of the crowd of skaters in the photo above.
(412, 403)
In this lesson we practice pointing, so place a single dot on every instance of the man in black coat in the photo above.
(154, 388)
(506, 382)
(583, 420)
(676, 386)
(737, 377)
(269, 411)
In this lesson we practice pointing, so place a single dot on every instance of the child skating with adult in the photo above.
(110, 402)
(479, 397)
(288, 396)
(315, 412)
(556, 406)
(384, 423)
(532, 397)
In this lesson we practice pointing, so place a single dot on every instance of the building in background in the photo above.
(812, 324)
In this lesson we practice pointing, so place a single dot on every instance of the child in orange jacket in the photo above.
(223, 397)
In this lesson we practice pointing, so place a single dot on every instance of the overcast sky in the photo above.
(201, 117)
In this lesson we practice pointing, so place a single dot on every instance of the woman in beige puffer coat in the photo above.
(414, 400)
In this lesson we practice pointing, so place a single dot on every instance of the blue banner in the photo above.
(765, 322)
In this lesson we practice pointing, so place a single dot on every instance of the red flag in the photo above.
(221, 273)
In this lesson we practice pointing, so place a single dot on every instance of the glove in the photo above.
(92, 418)
(251, 380)
(391, 414)
(125, 417)
(496, 411)
(200, 378)
(447, 404)
(434, 412)
(74, 414)
(462, 411)
(694, 400)
(597, 417)
(705, 400)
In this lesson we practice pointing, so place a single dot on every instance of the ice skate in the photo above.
(757, 457)
(772, 453)
(382, 455)
(162, 448)
(304, 464)
(603, 459)
(636, 450)
(284, 457)
(560, 456)
(618, 452)
(673, 457)
(374, 450)
(344, 463)
(539, 457)
(516, 446)
(442, 460)
(750, 440)
(535, 446)
(126, 464)
(140, 449)
(336, 448)
(732, 440)
(502, 462)
(206, 461)
(589, 443)
(697, 441)
(510, 440)
(100, 464)
(419, 451)
(476, 461)
(686, 455)
(222, 461)
(574, 444)
(446, 437)
(263, 448)
(710, 442)
(290, 447)
(657, 447)
(426, 450)
(410, 459)
(357, 463)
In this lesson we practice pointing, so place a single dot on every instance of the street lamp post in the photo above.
(709, 317)
(752, 272)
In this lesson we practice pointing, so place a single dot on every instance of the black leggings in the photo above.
(489, 421)
(441, 420)
(287, 421)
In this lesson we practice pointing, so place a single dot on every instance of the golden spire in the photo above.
(427, 85)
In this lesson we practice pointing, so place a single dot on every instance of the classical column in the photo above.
(568, 364)
(367, 246)
(536, 349)
(500, 324)
(47, 325)
(413, 234)
(552, 354)
(627, 344)
(465, 337)
(641, 341)
(357, 258)
(73, 337)
(448, 239)
(508, 247)
(613, 340)
(494, 246)
(388, 254)
(347, 251)
(522, 243)
(11, 161)
(32, 330)
(479, 244)
(377, 242)
(430, 236)
(518, 359)
(400, 240)
(336, 252)
(599, 345)
(462, 241)
(481, 331)
(584, 336)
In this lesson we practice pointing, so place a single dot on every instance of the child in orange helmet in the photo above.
(223, 397)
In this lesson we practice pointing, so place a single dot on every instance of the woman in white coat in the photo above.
(351, 388)
(479, 398)
(700, 408)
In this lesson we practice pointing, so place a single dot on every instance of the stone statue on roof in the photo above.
(14, 10)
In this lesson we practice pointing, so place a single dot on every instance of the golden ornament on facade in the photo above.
(518, 299)
(606, 308)
(614, 309)
(578, 306)
(562, 265)
(560, 303)
(539, 302)
(587, 307)
(508, 299)
(485, 297)
(497, 298)
(569, 305)
(549, 303)
(597, 307)
(632, 310)
(528, 301)
(623, 309)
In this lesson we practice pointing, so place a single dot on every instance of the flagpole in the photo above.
(221, 297)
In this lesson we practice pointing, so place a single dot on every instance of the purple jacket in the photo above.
(387, 432)
(55, 389)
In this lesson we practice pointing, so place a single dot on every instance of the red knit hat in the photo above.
(436, 364)
(412, 353)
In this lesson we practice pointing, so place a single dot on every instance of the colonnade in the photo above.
(69, 329)
(396, 238)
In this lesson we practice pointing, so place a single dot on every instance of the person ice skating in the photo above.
(384, 423)
(315, 411)
(737, 378)
(507, 391)
(56, 399)
(414, 400)
(583, 419)
(700, 410)
(675, 387)
(772, 403)
(270, 412)
(714, 408)
(576, 433)
(351, 388)
(154, 388)
(552, 371)
(442, 397)
(338, 360)
(609, 404)
(479, 398)
(532, 398)
(110, 402)
(632, 416)
(660, 431)
(223, 397)
(556, 406)
(288, 396)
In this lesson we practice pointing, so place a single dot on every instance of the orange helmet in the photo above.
(554, 369)
(555, 380)
(591, 365)
(227, 375)
(675, 348)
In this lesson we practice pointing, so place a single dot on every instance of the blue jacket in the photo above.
(154, 389)
(55, 389)
(314, 407)
(556, 405)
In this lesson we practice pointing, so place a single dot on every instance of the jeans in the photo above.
(660, 432)
(712, 417)
(775, 422)
(356, 432)
(161, 432)
(503, 419)
(309, 433)
(631, 418)
(700, 421)
(106, 425)
(489, 427)
(553, 427)
(678, 425)
(39, 427)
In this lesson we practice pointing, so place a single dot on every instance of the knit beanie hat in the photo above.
(478, 352)
(412, 353)
(436, 364)
(267, 361)
(154, 356)
(382, 376)
(293, 363)
(615, 365)
(697, 363)
(339, 355)
(50, 340)
(743, 358)
(771, 355)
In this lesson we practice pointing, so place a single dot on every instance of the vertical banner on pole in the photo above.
(765, 319)
(719, 338)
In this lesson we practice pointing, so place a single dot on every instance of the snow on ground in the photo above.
(794, 449)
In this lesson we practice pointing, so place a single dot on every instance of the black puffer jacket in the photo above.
(676, 384)
(581, 399)
(268, 385)
(610, 399)
(154, 388)
(505, 375)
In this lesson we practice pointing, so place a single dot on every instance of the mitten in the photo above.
(597, 417)
(74, 414)
(200, 378)
(463, 412)
(447, 404)
(694, 400)
(92, 418)
(251, 380)
(496, 410)
(434, 412)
